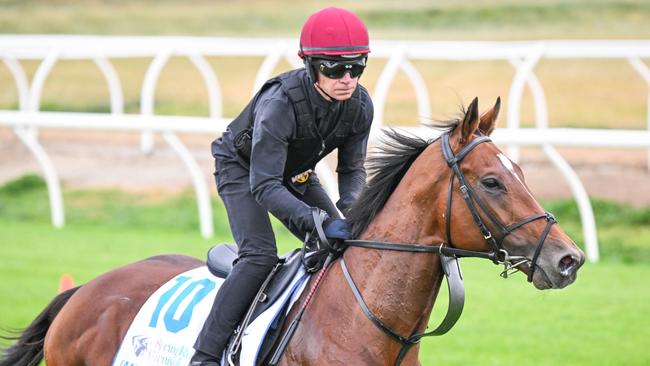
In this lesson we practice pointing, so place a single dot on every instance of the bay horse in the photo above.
(458, 190)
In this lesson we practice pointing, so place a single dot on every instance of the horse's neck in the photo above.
(401, 287)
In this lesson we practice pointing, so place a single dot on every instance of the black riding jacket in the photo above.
(277, 139)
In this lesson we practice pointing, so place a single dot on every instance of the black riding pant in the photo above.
(252, 231)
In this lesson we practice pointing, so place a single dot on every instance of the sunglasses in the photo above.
(337, 70)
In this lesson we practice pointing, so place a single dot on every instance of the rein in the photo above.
(449, 254)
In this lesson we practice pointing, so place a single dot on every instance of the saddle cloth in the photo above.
(165, 329)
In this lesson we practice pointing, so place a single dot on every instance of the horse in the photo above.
(458, 191)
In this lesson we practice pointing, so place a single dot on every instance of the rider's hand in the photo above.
(337, 229)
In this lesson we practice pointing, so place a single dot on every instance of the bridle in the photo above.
(472, 200)
(448, 253)
(498, 255)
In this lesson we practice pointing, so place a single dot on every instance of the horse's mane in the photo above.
(386, 168)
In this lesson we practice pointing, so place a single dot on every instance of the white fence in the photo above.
(399, 54)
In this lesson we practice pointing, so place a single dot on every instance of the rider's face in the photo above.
(339, 89)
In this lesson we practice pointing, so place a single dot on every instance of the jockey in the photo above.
(265, 161)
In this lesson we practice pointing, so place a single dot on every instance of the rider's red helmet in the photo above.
(334, 32)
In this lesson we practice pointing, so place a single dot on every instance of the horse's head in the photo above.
(463, 191)
(458, 195)
(496, 211)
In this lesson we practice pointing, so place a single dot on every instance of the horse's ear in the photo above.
(489, 118)
(470, 121)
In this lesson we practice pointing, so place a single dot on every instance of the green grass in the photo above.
(104, 230)
(597, 321)
(623, 231)
(25, 200)
(600, 320)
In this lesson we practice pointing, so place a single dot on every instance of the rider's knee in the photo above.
(263, 262)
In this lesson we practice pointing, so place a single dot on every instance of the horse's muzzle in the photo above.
(558, 269)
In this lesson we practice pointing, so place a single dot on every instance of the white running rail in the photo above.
(102, 49)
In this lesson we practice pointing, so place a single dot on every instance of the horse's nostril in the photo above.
(567, 264)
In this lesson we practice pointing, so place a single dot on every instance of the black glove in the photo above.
(337, 229)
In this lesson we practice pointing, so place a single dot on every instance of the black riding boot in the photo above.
(204, 359)
(231, 303)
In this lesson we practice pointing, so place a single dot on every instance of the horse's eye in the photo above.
(491, 183)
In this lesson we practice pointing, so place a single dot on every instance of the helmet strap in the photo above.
(311, 72)
(323, 91)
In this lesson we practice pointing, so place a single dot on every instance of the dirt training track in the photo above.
(111, 160)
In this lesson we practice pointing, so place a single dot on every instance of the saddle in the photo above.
(221, 257)
(314, 254)
(220, 263)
